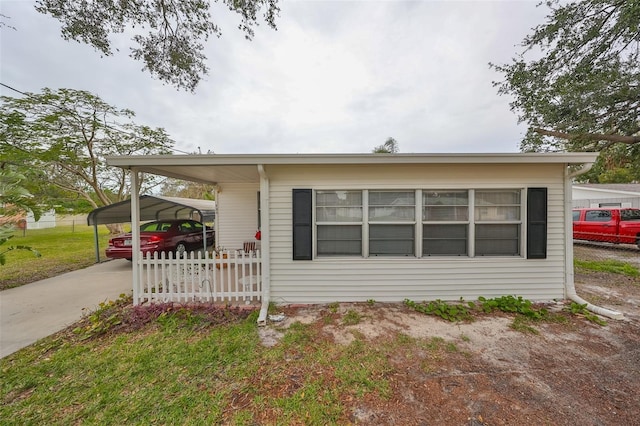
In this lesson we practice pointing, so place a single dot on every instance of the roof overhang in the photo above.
(154, 208)
(242, 168)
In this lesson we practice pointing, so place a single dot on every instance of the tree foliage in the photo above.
(390, 146)
(14, 197)
(576, 82)
(60, 139)
(185, 189)
(169, 35)
(619, 163)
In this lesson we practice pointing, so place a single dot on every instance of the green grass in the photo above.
(611, 266)
(173, 369)
(63, 249)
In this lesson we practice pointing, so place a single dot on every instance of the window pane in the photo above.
(339, 240)
(339, 214)
(444, 240)
(497, 240)
(492, 198)
(392, 198)
(339, 198)
(338, 206)
(629, 214)
(396, 240)
(598, 216)
(392, 206)
(445, 213)
(392, 214)
(445, 205)
(497, 213)
(445, 198)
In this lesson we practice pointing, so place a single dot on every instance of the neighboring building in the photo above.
(606, 195)
(47, 220)
(387, 227)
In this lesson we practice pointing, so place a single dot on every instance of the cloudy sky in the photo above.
(337, 76)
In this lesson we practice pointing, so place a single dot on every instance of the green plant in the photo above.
(450, 312)
(351, 318)
(581, 309)
(6, 233)
(371, 302)
(522, 324)
(333, 307)
(104, 318)
(511, 304)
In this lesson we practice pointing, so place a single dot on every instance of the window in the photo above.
(392, 223)
(597, 216)
(629, 214)
(497, 223)
(447, 222)
(576, 215)
(445, 216)
(339, 223)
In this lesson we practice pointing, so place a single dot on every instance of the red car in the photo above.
(172, 235)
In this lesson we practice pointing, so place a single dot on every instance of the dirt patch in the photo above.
(575, 372)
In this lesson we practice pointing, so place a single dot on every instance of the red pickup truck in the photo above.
(607, 224)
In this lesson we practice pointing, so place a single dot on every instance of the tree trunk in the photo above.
(115, 228)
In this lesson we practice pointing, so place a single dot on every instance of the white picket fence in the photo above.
(231, 277)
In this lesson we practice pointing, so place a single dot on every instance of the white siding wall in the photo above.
(394, 279)
(237, 218)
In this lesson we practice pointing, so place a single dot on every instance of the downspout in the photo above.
(570, 289)
(265, 238)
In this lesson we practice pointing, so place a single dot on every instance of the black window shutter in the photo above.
(537, 223)
(302, 226)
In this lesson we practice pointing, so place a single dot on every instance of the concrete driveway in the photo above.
(39, 309)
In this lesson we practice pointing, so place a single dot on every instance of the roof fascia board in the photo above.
(602, 190)
(148, 161)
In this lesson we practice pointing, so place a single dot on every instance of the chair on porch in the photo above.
(249, 246)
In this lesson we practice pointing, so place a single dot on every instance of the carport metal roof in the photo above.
(154, 207)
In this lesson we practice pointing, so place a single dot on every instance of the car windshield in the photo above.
(630, 214)
(155, 227)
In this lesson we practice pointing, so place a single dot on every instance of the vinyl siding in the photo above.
(237, 215)
(394, 279)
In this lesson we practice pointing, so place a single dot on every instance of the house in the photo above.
(384, 227)
(606, 195)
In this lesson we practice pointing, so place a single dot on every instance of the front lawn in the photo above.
(62, 249)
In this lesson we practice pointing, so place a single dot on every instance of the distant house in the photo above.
(606, 195)
(355, 227)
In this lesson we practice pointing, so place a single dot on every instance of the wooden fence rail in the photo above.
(230, 277)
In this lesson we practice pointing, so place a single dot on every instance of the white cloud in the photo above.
(335, 77)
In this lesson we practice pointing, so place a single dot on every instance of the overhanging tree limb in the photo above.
(588, 136)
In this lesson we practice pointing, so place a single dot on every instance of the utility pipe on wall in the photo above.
(570, 288)
(265, 238)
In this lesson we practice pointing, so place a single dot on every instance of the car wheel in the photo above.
(181, 249)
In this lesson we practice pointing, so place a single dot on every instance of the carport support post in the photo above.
(135, 235)
(97, 243)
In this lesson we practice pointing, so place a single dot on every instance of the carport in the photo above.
(152, 207)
